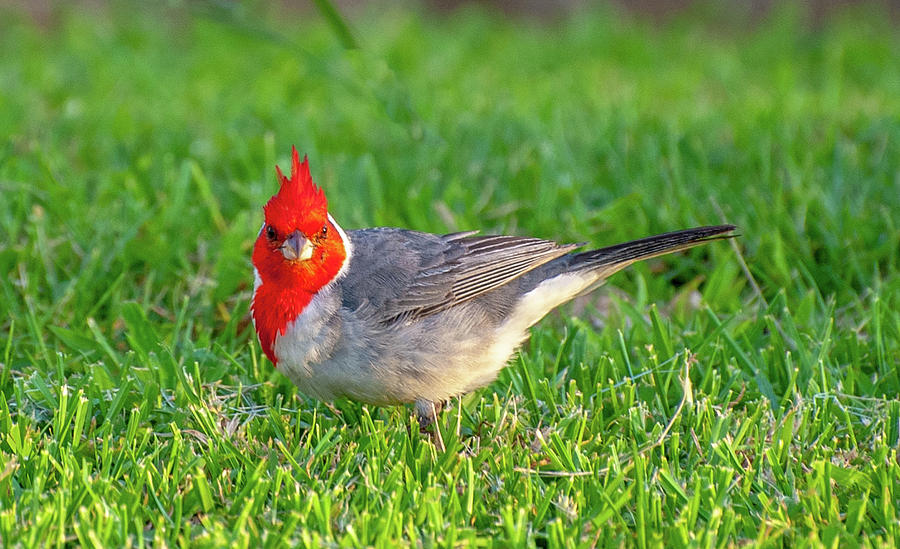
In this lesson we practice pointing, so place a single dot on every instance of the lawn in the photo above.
(742, 393)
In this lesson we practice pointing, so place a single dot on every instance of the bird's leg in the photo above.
(426, 413)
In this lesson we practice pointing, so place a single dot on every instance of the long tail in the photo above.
(614, 258)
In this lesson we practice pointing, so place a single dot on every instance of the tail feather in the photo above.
(614, 258)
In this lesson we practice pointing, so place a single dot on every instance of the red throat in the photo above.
(288, 286)
(273, 311)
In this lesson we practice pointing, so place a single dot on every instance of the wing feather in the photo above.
(471, 266)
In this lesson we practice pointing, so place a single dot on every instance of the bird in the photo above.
(387, 316)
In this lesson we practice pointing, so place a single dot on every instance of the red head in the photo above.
(299, 250)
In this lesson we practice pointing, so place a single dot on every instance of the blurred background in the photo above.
(817, 10)
(581, 121)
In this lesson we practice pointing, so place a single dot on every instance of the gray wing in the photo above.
(398, 275)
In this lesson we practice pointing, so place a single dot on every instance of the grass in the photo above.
(679, 406)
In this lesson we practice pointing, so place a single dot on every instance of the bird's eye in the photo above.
(270, 233)
(324, 231)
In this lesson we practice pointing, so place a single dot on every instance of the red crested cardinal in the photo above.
(388, 316)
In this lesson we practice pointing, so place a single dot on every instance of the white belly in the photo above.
(329, 354)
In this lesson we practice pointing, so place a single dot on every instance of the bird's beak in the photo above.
(297, 247)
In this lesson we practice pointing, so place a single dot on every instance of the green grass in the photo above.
(678, 406)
